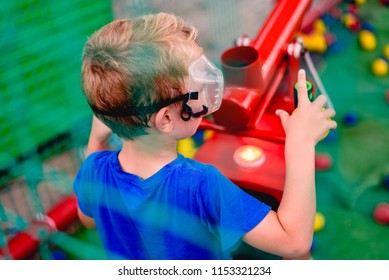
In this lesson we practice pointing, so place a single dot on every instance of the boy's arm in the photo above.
(98, 137)
(86, 220)
(289, 231)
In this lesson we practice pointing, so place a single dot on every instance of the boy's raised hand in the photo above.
(310, 121)
(99, 136)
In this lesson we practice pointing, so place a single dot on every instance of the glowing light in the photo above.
(249, 156)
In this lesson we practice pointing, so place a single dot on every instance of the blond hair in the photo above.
(131, 64)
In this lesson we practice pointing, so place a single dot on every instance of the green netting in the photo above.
(219, 22)
(41, 48)
(43, 116)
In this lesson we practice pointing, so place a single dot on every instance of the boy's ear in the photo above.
(163, 120)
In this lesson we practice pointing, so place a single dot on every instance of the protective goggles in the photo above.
(206, 79)
(205, 85)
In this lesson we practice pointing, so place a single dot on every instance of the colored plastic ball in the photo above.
(367, 40)
(381, 213)
(386, 51)
(187, 147)
(368, 26)
(379, 67)
(350, 119)
(329, 20)
(314, 245)
(198, 138)
(360, 2)
(323, 161)
(319, 26)
(316, 43)
(208, 134)
(319, 222)
(384, 2)
(335, 47)
(352, 9)
(352, 22)
(59, 255)
(349, 20)
(356, 26)
(331, 137)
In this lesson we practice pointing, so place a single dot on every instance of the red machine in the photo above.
(248, 143)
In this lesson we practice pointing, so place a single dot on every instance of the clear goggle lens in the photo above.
(206, 79)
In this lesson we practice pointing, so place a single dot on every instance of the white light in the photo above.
(249, 156)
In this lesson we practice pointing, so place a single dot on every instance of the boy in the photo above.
(149, 82)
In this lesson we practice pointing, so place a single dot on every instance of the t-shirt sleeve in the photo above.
(234, 211)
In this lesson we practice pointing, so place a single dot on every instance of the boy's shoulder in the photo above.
(100, 157)
(192, 163)
(102, 154)
(194, 166)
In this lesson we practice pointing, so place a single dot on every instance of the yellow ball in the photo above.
(187, 147)
(319, 222)
(314, 42)
(348, 20)
(386, 51)
(208, 134)
(379, 67)
(367, 40)
(360, 2)
(319, 26)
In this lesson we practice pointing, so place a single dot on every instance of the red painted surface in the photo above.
(259, 79)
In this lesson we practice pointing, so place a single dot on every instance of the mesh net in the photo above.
(219, 22)
(44, 118)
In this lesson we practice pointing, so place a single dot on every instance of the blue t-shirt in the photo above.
(187, 210)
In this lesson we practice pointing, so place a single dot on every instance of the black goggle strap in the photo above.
(186, 113)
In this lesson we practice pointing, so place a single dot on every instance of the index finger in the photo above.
(302, 92)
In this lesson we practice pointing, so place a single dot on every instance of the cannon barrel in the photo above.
(249, 71)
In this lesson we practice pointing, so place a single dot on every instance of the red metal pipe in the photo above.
(64, 213)
(249, 71)
(23, 245)
(268, 48)
(276, 33)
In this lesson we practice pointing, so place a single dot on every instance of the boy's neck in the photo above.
(146, 155)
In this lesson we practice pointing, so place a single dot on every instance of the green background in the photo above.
(348, 193)
(41, 46)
